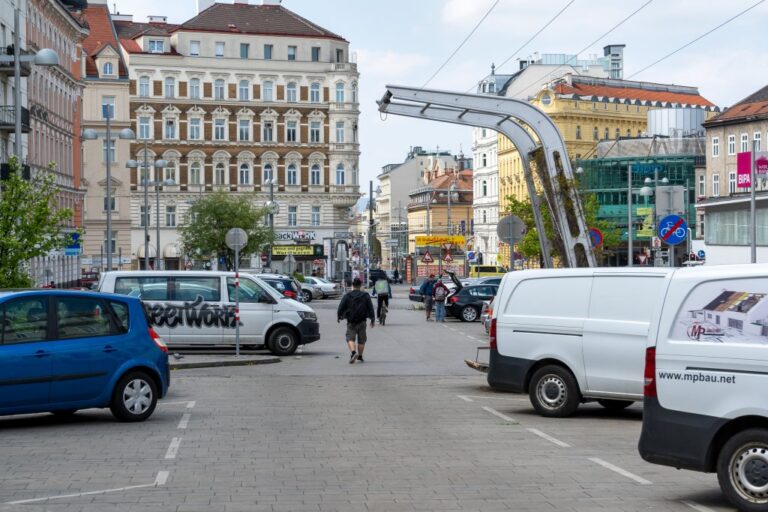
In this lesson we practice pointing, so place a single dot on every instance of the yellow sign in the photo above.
(296, 250)
(645, 211)
(644, 233)
(435, 240)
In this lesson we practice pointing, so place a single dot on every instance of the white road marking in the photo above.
(499, 398)
(500, 415)
(696, 506)
(184, 421)
(465, 398)
(161, 479)
(173, 449)
(549, 438)
(191, 404)
(622, 472)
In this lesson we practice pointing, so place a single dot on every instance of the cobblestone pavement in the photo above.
(410, 429)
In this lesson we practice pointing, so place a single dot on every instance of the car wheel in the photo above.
(554, 392)
(134, 397)
(307, 295)
(742, 470)
(282, 342)
(615, 405)
(468, 314)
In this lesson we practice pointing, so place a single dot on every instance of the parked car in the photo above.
(415, 296)
(198, 308)
(63, 351)
(706, 371)
(89, 280)
(466, 303)
(486, 271)
(326, 288)
(286, 285)
(308, 290)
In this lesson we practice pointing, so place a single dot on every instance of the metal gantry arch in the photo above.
(510, 117)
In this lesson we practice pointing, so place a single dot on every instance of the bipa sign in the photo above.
(744, 167)
(761, 163)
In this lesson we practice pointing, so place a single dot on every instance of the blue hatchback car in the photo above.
(61, 351)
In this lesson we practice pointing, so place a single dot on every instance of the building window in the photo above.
(108, 107)
(715, 185)
(595, 134)
(194, 128)
(170, 216)
(339, 55)
(485, 160)
(314, 131)
(111, 150)
(111, 204)
(267, 52)
(578, 132)
(110, 244)
(156, 46)
(485, 188)
(220, 176)
(219, 50)
(144, 127)
(732, 182)
(340, 92)
(170, 87)
(144, 216)
(757, 139)
(218, 89)
(242, 90)
(715, 147)
(170, 129)
(731, 144)
(315, 220)
(194, 173)
(144, 86)
(340, 131)
(314, 175)
(293, 175)
(292, 210)
(218, 129)
(266, 91)
(354, 175)
(354, 92)
(108, 69)
(314, 93)
(744, 142)
(291, 92)
(244, 129)
(244, 50)
(194, 88)
(340, 174)
(315, 54)
(268, 173)
(267, 132)
(702, 185)
(618, 132)
(485, 217)
(605, 133)
(245, 174)
(291, 53)
(290, 131)
(194, 48)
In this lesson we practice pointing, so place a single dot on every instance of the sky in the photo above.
(403, 42)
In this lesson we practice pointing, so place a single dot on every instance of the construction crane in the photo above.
(536, 138)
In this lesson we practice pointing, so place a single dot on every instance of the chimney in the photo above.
(122, 17)
(157, 19)
(271, 2)
(245, 2)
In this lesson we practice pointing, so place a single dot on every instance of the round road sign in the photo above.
(596, 236)
(673, 229)
(510, 229)
(236, 239)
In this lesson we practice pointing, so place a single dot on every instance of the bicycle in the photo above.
(679, 232)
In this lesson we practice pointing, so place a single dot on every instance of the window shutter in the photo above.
(157, 87)
(207, 89)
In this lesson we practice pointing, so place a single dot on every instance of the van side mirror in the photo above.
(265, 299)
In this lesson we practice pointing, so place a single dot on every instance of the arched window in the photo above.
(314, 92)
(340, 175)
(485, 160)
(266, 91)
(290, 90)
(108, 69)
(220, 176)
(485, 217)
(194, 173)
(315, 175)
(605, 133)
(245, 174)
(170, 87)
(242, 90)
(268, 173)
(194, 88)
(218, 89)
(595, 133)
(340, 92)
(618, 133)
(485, 189)
(354, 92)
(293, 175)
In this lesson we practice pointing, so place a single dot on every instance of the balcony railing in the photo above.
(8, 119)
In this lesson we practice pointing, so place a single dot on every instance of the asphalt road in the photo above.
(412, 428)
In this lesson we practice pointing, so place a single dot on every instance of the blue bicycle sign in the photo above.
(673, 229)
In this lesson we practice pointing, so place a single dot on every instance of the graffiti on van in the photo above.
(197, 313)
(725, 316)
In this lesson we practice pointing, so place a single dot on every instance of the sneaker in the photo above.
(353, 357)
(360, 359)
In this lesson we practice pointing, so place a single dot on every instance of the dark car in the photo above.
(284, 284)
(467, 302)
(376, 274)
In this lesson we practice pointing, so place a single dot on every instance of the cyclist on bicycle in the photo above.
(383, 293)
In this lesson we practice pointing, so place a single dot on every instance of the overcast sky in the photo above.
(405, 41)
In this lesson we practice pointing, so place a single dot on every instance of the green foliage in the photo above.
(299, 276)
(209, 219)
(30, 224)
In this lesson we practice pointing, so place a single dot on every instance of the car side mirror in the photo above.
(265, 299)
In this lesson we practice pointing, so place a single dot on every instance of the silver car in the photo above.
(325, 288)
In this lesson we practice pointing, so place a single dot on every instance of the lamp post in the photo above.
(159, 259)
(649, 190)
(450, 193)
(272, 207)
(158, 164)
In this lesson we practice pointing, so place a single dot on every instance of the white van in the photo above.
(567, 336)
(706, 380)
(198, 308)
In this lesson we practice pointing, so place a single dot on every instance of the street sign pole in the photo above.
(236, 239)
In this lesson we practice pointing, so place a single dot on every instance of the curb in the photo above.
(227, 362)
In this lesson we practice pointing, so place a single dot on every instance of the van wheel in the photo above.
(468, 314)
(742, 470)
(615, 405)
(282, 342)
(554, 392)
(134, 397)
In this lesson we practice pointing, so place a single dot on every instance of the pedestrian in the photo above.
(440, 293)
(356, 307)
(396, 276)
(426, 291)
(383, 294)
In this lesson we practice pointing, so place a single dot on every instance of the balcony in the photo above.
(6, 68)
(344, 66)
(8, 119)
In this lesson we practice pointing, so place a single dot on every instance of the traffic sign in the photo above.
(701, 254)
(447, 246)
(236, 239)
(510, 229)
(656, 242)
(596, 236)
(673, 229)
(447, 258)
(471, 255)
(427, 258)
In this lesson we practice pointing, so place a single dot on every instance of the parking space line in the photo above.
(160, 479)
(622, 472)
(465, 398)
(500, 415)
(696, 506)
(173, 449)
(548, 438)
(191, 404)
(184, 421)
(516, 399)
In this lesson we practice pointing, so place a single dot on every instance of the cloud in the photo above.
(390, 63)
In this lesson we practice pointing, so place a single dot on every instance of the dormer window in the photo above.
(156, 46)
(108, 69)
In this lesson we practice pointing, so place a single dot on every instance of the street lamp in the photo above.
(159, 164)
(91, 134)
(273, 208)
(648, 190)
(450, 194)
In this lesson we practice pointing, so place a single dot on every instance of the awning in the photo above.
(152, 251)
(171, 251)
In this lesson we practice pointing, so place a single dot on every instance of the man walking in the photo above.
(356, 307)
(427, 287)
(440, 293)
(383, 294)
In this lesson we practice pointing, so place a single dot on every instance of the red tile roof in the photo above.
(128, 31)
(101, 34)
(632, 93)
(752, 108)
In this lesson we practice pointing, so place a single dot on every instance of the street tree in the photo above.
(31, 224)
(208, 220)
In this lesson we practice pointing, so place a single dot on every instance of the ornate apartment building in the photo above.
(231, 99)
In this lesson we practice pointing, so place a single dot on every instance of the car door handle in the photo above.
(42, 353)
(109, 348)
